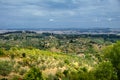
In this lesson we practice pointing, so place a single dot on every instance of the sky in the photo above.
(59, 13)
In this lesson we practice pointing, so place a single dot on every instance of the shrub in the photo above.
(5, 67)
(66, 73)
(77, 75)
(16, 78)
(59, 74)
(66, 61)
(4, 79)
(60, 64)
(12, 56)
(105, 71)
(112, 53)
(51, 77)
(43, 67)
(1, 52)
(33, 74)
(84, 69)
(22, 71)
(17, 67)
(23, 55)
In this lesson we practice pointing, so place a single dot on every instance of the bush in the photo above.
(51, 77)
(1, 52)
(33, 74)
(66, 73)
(12, 55)
(23, 55)
(112, 53)
(59, 74)
(66, 61)
(22, 71)
(84, 69)
(5, 67)
(105, 71)
(4, 79)
(16, 78)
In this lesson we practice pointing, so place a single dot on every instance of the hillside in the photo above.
(21, 60)
(46, 56)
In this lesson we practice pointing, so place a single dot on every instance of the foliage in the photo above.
(33, 74)
(105, 71)
(71, 44)
(32, 56)
(16, 78)
(5, 67)
(77, 75)
(1, 52)
(112, 53)
(66, 61)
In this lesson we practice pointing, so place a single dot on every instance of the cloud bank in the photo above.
(59, 13)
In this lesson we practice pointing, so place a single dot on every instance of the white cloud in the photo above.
(109, 19)
(65, 11)
(51, 20)
(58, 1)
(96, 20)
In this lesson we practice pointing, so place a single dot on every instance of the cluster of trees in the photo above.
(30, 55)
(103, 71)
(108, 69)
(75, 44)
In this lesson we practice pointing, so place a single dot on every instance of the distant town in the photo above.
(68, 30)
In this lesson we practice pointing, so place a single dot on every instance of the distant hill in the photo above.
(67, 30)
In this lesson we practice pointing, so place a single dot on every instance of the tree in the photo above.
(112, 53)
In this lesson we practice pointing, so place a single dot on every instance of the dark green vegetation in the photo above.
(32, 56)
(74, 44)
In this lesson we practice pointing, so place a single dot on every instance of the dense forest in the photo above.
(27, 55)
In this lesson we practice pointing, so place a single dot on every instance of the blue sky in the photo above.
(59, 13)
